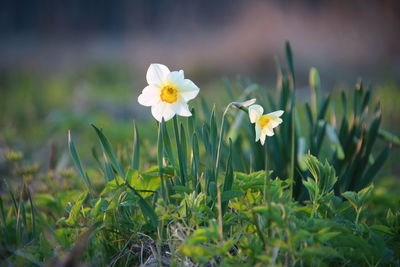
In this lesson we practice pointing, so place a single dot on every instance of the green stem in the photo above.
(221, 132)
(160, 154)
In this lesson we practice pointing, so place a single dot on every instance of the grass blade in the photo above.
(78, 164)
(109, 151)
(289, 58)
(184, 151)
(180, 154)
(228, 182)
(374, 168)
(195, 163)
(33, 218)
(147, 210)
(136, 147)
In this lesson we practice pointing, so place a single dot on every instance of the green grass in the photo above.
(199, 190)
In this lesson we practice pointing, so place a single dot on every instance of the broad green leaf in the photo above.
(100, 206)
(75, 210)
(143, 182)
(112, 185)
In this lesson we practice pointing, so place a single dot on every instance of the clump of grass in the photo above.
(213, 196)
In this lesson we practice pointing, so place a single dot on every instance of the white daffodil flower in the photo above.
(264, 124)
(167, 93)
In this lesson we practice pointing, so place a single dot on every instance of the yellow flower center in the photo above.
(264, 120)
(169, 94)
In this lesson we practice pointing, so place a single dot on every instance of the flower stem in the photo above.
(221, 132)
(160, 154)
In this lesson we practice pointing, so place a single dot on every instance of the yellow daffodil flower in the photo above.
(167, 93)
(264, 124)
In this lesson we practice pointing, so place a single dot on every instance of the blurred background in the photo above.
(65, 64)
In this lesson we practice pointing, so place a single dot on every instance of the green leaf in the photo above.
(143, 182)
(196, 163)
(108, 169)
(109, 151)
(180, 188)
(374, 168)
(184, 150)
(75, 210)
(289, 58)
(131, 177)
(331, 133)
(228, 182)
(382, 228)
(228, 195)
(182, 169)
(301, 153)
(100, 207)
(323, 108)
(315, 85)
(192, 124)
(314, 80)
(147, 210)
(78, 164)
(311, 187)
(112, 185)
(323, 174)
(136, 148)
(389, 137)
(352, 198)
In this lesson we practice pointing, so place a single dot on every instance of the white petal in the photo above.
(255, 112)
(149, 96)
(275, 122)
(162, 110)
(169, 112)
(157, 74)
(262, 138)
(176, 78)
(258, 131)
(188, 90)
(268, 130)
(276, 114)
(182, 109)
